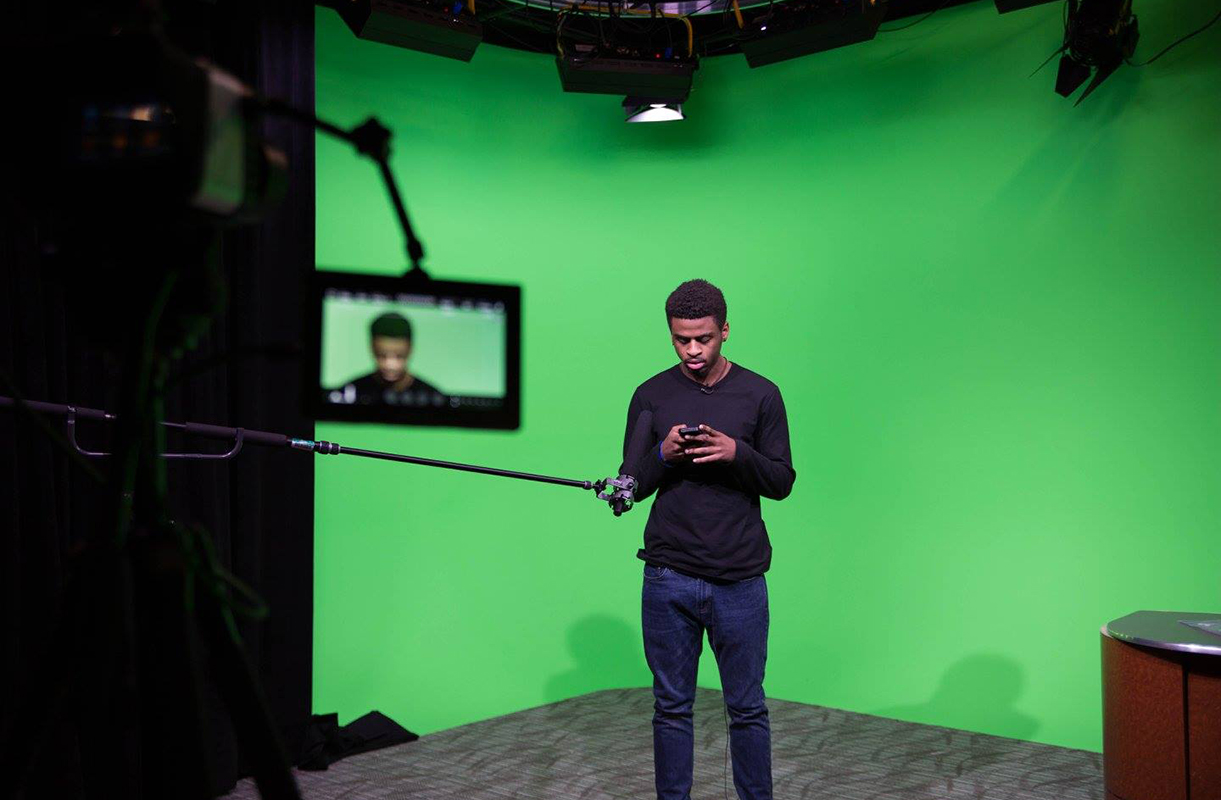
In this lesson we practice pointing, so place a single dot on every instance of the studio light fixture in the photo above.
(1005, 6)
(648, 109)
(441, 27)
(600, 51)
(588, 71)
(800, 27)
(1098, 36)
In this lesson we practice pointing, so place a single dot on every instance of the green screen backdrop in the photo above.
(994, 318)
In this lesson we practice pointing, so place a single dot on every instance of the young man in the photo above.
(392, 382)
(705, 545)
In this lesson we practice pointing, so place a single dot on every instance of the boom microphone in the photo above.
(618, 492)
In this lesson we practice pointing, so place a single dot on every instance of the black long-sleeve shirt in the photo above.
(706, 518)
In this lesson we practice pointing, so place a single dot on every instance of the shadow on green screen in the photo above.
(607, 654)
(977, 693)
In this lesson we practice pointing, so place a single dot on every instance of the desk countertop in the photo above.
(1164, 630)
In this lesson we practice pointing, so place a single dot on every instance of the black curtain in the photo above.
(258, 508)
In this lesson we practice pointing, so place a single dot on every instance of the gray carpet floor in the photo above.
(600, 745)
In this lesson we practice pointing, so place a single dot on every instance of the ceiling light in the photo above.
(1005, 6)
(442, 27)
(644, 109)
(800, 27)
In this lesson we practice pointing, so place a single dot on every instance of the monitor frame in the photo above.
(507, 417)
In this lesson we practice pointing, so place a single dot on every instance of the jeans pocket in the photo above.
(655, 573)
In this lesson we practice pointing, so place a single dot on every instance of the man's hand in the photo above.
(672, 446)
(710, 446)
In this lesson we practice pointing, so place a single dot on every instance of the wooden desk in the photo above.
(1161, 708)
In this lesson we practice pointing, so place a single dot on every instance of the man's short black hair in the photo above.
(391, 324)
(695, 300)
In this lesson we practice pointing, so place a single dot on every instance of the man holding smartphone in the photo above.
(722, 443)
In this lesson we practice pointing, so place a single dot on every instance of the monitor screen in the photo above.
(416, 352)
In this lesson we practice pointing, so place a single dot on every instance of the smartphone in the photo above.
(689, 430)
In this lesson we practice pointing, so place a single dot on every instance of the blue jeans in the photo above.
(676, 609)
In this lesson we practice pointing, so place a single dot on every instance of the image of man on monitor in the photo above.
(392, 382)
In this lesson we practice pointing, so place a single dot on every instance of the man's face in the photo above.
(698, 343)
(391, 354)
